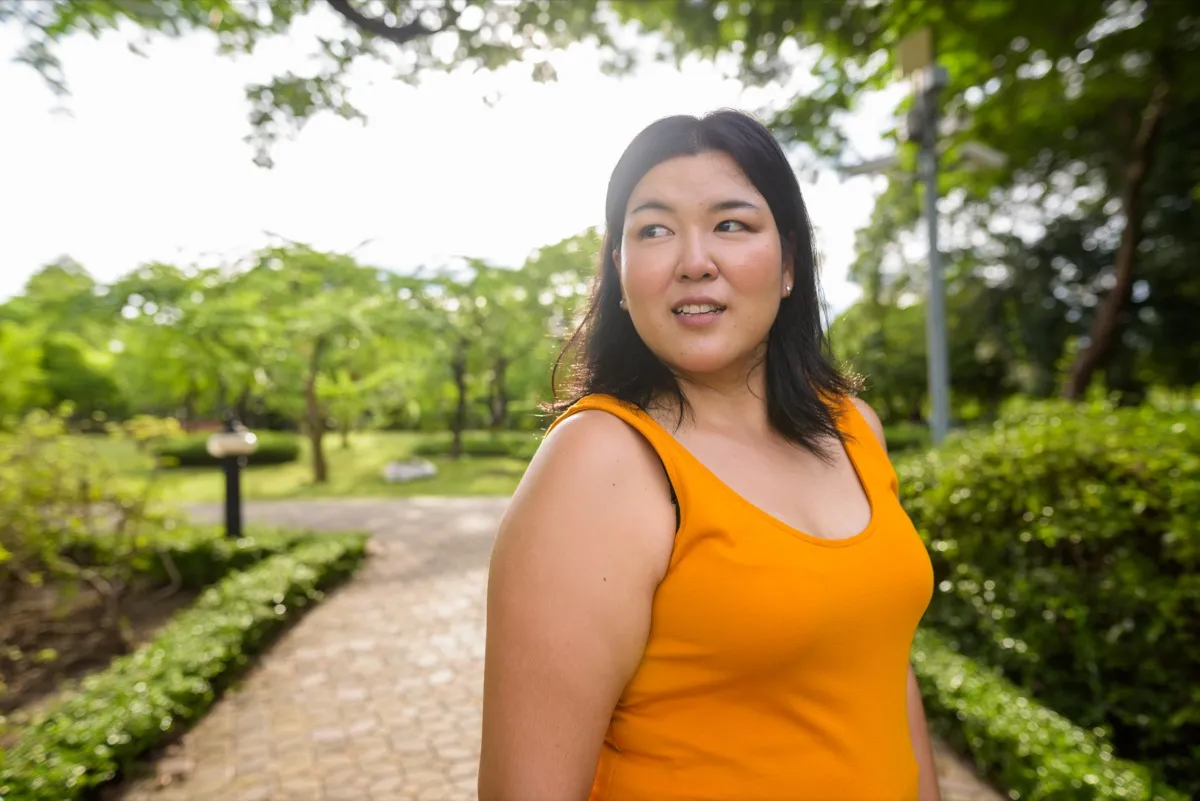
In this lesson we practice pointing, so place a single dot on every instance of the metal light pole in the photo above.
(915, 58)
(929, 80)
(232, 446)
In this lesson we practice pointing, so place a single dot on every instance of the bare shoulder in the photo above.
(871, 417)
(597, 488)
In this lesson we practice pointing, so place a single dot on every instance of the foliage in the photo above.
(150, 432)
(186, 556)
(498, 330)
(903, 438)
(52, 494)
(192, 451)
(409, 37)
(1066, 551)
(142, 699)
(21, 362)
(1034, 752)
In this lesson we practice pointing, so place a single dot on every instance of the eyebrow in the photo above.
(723, 205)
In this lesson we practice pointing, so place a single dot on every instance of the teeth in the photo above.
(698, 308)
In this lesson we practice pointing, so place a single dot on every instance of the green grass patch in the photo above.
(1032, 751)
(356, 471)
(144, 698)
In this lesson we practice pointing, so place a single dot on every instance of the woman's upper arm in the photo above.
(577, 559)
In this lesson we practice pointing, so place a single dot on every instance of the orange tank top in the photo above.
(776, 663)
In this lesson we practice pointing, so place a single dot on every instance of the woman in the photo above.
(705, 586)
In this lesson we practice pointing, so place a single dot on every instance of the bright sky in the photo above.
(150, 163)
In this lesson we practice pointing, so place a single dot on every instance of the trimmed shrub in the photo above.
(1033, 752)
(906, 437)
(192, 451)
(1066, 548)
(194, 556)
(93, 735)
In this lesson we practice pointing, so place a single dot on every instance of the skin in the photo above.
(589, 532)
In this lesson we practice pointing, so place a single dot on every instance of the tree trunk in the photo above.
(243, 406)
(1105, 326)
(314, 420)
(345, 426)
(189, 406)
(459, 366)
(499, 394)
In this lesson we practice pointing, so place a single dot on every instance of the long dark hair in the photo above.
(607, 356)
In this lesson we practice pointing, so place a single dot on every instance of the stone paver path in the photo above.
(376, 694)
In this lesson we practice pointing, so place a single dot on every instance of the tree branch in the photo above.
(377, 27)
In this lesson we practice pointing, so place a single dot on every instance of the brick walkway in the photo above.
(375, 695)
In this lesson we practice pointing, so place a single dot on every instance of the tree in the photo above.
(189, 339)
(408, 36)
(318, 310)
(23, 386)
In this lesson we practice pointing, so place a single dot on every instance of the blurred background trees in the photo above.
(1075, 260)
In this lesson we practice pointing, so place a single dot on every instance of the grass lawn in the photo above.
(357, 471)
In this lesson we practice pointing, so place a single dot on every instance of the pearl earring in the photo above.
(787, 291)
(622, 304)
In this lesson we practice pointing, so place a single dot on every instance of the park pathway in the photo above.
(375, 695)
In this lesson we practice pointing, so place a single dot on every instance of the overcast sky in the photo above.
(148, 162)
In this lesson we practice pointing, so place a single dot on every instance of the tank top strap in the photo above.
(869, 455)
(663, 443)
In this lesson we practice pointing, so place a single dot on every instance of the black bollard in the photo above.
(233, 496)
(233, 487)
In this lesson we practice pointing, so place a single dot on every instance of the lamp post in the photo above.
(923, 127)
(232, 446)
(915, 57)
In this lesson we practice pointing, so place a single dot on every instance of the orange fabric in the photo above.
(776, 664)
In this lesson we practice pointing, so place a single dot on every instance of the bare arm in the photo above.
(918, 728)
(578, 557)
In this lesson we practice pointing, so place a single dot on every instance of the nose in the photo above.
(695, 259)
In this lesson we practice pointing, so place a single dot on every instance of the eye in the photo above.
(732, 226)
(652, 232)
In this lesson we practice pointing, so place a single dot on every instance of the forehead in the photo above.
(698, 179)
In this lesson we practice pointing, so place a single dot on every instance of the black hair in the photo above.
(607, 356)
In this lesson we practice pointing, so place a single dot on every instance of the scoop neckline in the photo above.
(840, 542)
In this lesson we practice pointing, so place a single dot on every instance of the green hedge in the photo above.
(1066, 550)
(93, 735)
(516, 444)
(906, 437)
(199, 555)
(192, 451)
(1032, 752)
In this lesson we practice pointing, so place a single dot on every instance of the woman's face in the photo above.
(701, 266)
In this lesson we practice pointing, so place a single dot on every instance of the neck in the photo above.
(737, 402)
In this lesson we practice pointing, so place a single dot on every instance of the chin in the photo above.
(699, 365)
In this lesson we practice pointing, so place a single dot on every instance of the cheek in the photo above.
(644, 276)
(757, 271)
